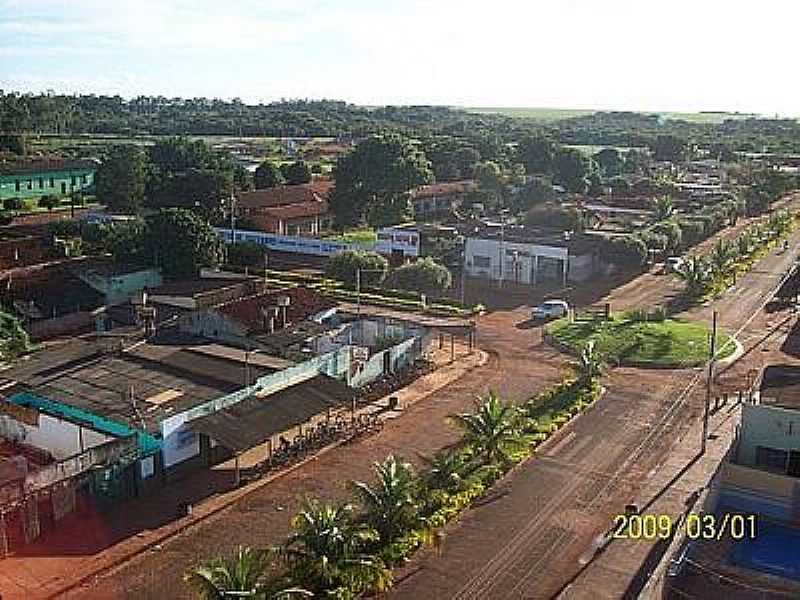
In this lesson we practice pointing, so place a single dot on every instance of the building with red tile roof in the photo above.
(287, 209)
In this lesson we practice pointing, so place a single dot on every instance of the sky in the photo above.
(648, 55)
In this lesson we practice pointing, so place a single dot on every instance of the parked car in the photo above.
(673, 264)
(550, 309)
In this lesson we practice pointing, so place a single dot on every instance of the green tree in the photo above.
(572, 169)
(14, 339)
(722, 255)
(121, 179)
(246, 254)
(447, 471)
(268, 175)
(327, 551)
(671, 231)
(12, 204)
(669, 147)
(490, 179)
(16, 143)
(377, 172)
(590, 364)
(390, 211)
(424, 275)
(537, 190)
(696, 274)
(180, 243)
(244, 575)
(343, 266)
(49, 201)
(663, 208)
(610, 161)
(491, 431)
(391, 505)
(555, 216)
(626, 250)
(296, 172)
(537, 153)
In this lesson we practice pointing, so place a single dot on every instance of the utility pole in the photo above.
(502, 244)
(712, 358)
(233, 218)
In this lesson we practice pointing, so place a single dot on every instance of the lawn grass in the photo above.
(621, 340)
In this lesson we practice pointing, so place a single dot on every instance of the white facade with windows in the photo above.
(524, 263)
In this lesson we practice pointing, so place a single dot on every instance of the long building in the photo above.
(37, 178)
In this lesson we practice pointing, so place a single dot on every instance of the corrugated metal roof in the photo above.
(253, 421)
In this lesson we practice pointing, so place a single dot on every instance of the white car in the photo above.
(550, 309)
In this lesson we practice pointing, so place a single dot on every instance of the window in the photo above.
(771, 459)
(482, 262)
(52, 182)
(30, 184)
(72, 180)
(41, 183)
(83, 179)
(16, 185)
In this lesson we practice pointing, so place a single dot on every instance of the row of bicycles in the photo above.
(313, 438)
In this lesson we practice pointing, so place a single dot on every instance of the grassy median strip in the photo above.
(629, 339)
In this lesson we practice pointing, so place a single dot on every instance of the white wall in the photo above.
(60, 438)
(526, 254)
(767, 426)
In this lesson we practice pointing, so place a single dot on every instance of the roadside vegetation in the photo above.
(641, 338)
(348, 550)
(708, 276)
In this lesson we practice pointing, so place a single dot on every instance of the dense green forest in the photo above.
(92, 114)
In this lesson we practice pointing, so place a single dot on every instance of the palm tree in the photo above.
(695, 273)
(447, 471)
(589, 363)
(663, 208)
(241, 576)
(392, 505)
(491, 431)
(744, 243)
(326, 550)
(721, 256)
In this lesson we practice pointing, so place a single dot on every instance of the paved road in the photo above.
(531, 540)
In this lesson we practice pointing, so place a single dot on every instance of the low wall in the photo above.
(71, 323)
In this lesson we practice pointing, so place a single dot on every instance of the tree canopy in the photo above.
(424, 275)
(121, 179)
(374, 177)
(268, 175)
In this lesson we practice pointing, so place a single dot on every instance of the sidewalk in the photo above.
(90, 547)
(623, 567)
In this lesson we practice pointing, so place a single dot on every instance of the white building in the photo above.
(527, 262)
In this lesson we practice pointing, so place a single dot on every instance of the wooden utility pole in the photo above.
(709, 381)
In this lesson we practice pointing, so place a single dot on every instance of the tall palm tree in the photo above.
(447, 470)
(590, 364)
(696, 274)
(744, 243)
(392, 506)
(721, 256)
(241, 576)
(492, 430)
(326, 550)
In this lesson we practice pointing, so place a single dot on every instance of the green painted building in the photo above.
(34, 179)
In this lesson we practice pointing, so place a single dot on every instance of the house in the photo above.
(300, 210)
(757, 488)
(440, 199)
(57, 177)
(530, 257)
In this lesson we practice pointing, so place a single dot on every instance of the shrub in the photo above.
(246, 254)
(344, 266)
(424, 275)
(49, 202)
(626, 250)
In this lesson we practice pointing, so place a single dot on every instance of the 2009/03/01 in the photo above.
(695, 526)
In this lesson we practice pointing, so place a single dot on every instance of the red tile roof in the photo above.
(297, 211)
(283, 195)
(303, 304)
